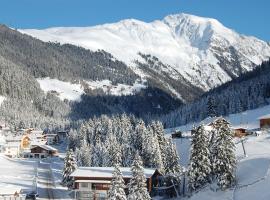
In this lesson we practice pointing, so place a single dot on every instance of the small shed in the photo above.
(240, 132)
(265, 121)
(177, 134)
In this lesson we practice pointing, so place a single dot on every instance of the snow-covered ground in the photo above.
(248, 119)
(2, 98)
(253, 171)
(65, 90)
(116, 90)
(73, 91)
(17, 174)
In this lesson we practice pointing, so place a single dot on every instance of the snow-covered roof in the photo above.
(46, 147)
(265, 117)
(106, 172)
(13, 144)
(9, 190)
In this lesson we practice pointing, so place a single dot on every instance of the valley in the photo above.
(172, 106)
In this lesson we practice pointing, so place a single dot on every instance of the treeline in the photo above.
(109, 141)
(65, 62)
(249, 91)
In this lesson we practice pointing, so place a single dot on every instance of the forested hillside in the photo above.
(23, 59)
(249, 91)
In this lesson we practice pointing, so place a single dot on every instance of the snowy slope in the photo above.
(248, 119)
(2, 99)
(16, 174)
(65, 90)
(73, 91)
(253, 171)
(201, 49)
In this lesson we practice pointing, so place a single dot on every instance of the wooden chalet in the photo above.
(240, 132)
(43, 151)
(265, 122)
(94, 182)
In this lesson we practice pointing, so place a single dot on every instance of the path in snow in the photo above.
(45, 181)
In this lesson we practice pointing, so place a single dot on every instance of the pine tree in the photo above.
(113, 151)
(223, 154)
(85, 155)
(100, 155)
(200, 166)
(150, 151)
(171, 164)
(117, 189)
(69, 166)
(158, 131)
(211, 108)
(137, 184)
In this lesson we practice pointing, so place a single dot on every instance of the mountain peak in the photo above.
(202, 50)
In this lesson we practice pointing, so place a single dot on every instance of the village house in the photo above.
(12, 149)
(94, 182)
(265, 121)
(62, 135)
(52, 138)
(240, 131)
(43, 151)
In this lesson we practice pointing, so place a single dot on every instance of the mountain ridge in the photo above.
(202, 50)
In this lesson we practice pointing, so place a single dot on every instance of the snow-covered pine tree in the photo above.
(150, 150)
(85, 155)
(171, 164)
(117, 189)
(223, 154)
(100, 155)
(137, 185)
(158, 131)
(137, 136)
(211, 108)
(113, 151)
(69, 166)
(200, 166)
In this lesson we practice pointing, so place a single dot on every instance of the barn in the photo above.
(265, 121)
(94, 182)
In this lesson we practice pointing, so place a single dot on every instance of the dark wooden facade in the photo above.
(240, 132)
(177, 134)
(265, 123)
(40, 150)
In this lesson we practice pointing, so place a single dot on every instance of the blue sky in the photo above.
(250, 17)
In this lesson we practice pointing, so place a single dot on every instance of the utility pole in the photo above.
(243, 146)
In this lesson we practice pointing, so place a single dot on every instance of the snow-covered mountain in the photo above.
(201, 50)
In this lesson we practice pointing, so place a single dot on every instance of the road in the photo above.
(45, 181)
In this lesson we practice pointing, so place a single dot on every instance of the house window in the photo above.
(100, 186)
(84, 185)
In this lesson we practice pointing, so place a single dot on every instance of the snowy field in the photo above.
(16, 174)
(248, 119)
(253, 171)
(73, 92)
